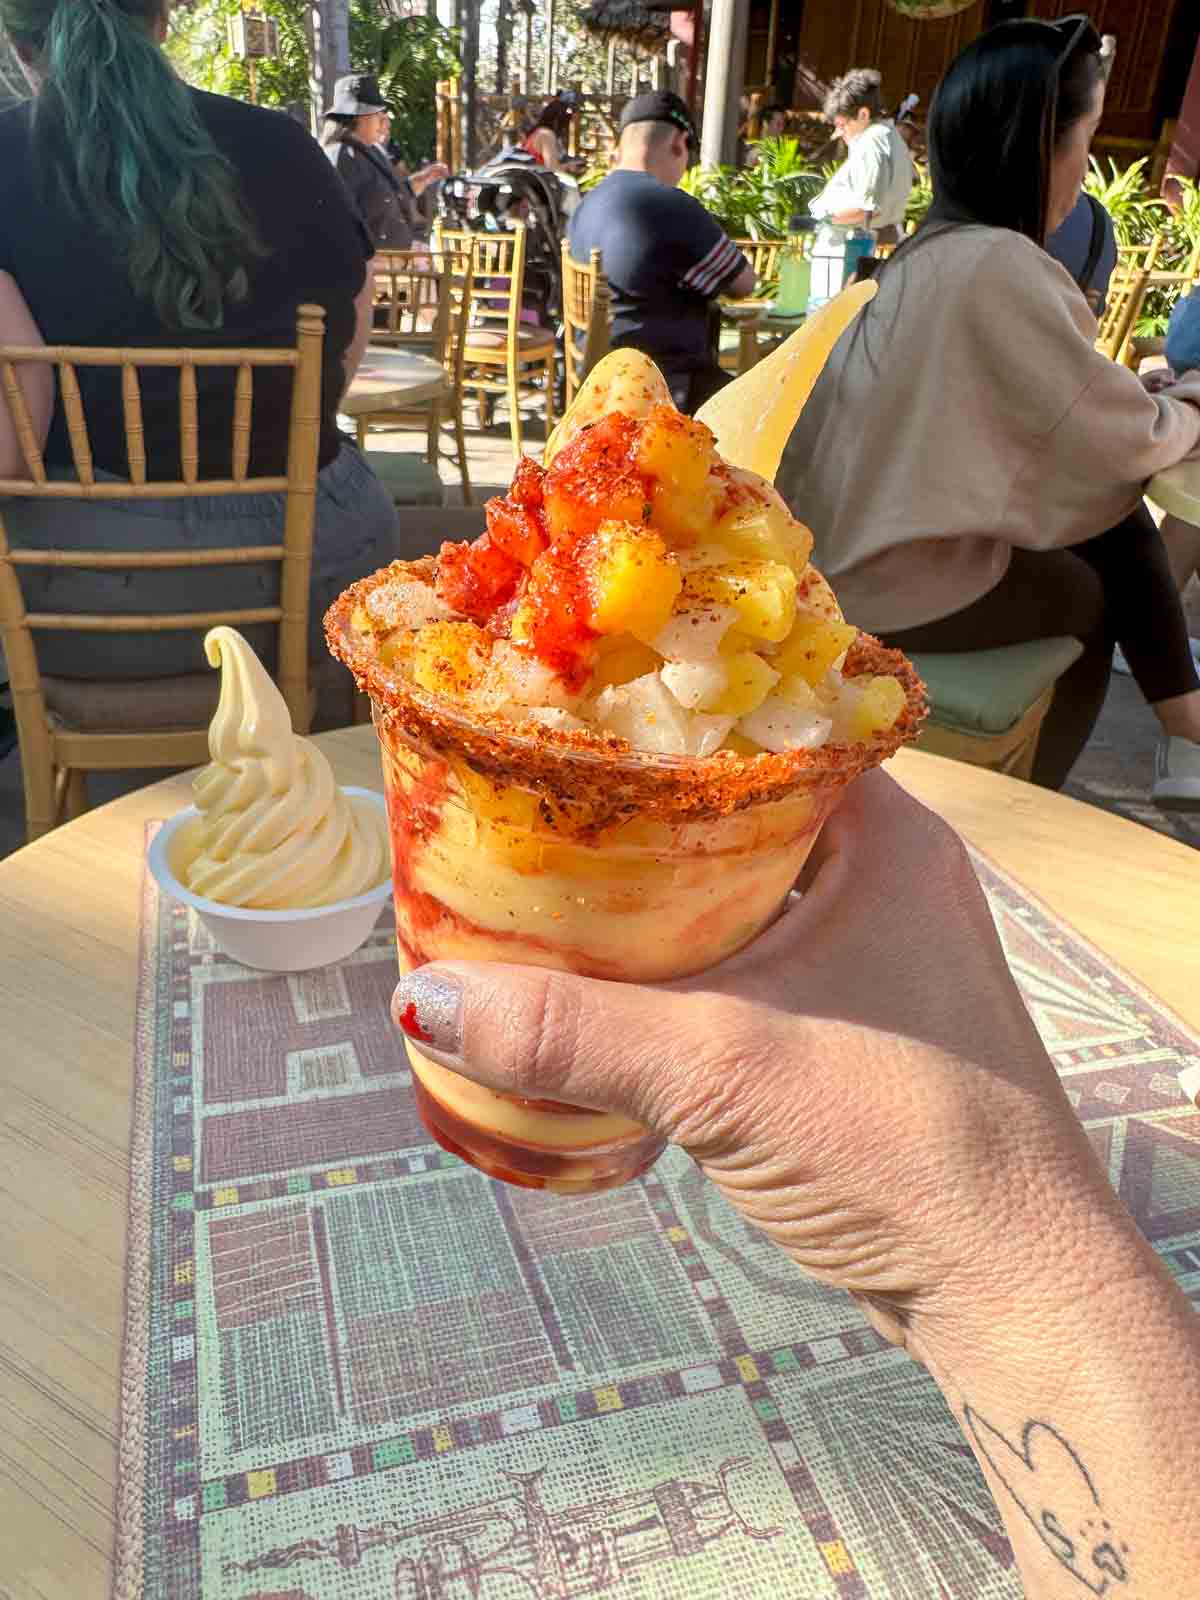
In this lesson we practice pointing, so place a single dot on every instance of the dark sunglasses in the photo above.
(1078, 32)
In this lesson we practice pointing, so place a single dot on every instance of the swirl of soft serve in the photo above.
(275, 832)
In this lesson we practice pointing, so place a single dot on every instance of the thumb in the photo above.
(673, 1061)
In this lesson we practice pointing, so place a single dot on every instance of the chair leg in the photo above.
(550, 377)
(433, 432)
(360, 432)
(514, 406)
(461, 441)
(75, 794)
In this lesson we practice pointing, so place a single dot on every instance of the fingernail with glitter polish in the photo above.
(427, 1007)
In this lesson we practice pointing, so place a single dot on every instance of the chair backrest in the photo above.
(420, 299)
(1132, 257)
(298, 486)
(1126, 295)
(406, 297)
(587, 317)
(498, 273)
(763, 256)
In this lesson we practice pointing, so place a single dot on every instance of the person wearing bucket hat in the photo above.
(665, 257)
(354, 137)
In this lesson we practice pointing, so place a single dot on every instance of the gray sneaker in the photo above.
(1177, 775)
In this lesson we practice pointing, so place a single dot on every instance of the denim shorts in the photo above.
(354, 531)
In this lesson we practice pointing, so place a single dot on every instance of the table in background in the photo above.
(1177, 491)
(69, 931)
(390, 379)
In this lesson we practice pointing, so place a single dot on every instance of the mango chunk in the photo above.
(634, 580)
(868, 707)
(749, 680)
(812, 647)
(450, 658)
(763, 593)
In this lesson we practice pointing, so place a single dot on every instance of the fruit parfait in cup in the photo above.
(611, 728)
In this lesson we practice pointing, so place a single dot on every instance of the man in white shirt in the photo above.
(871, 188)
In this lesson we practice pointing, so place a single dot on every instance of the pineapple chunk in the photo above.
(620, 661)
(675, 450)
(814, 594)
(763, 593)
(635, 580)
(761, 527)
(494, 801)
(741, 746)
(450, 658)
(867, 707)
(748, 683)
(813, 646)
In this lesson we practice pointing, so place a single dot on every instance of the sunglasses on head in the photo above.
(1077, 32)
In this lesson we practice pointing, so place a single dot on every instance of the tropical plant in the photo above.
(920, 199)
(1135, 214)
(408, 55)
(758, 202)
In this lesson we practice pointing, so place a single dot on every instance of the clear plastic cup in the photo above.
(509, 845)
(481, 873)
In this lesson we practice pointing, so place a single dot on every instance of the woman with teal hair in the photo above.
(135, 211)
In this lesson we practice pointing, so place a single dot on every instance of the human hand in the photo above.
(862, 1082)
(1159, 379)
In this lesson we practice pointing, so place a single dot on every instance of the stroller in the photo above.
(510, 188)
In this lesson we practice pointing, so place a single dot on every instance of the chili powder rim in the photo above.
(602, 777)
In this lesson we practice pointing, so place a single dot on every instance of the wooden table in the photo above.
(1177, 491)
(68, 959)
(390, 379)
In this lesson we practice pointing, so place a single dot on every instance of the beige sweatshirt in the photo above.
(965, 413)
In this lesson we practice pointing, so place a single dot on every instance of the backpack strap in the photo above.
(1096, 247)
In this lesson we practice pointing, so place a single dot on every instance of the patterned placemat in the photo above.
(356, 1369)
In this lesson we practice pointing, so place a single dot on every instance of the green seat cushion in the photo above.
(409, 479)
(987, 691)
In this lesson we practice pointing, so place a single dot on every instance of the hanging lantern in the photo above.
(930, 10)
(253, 37)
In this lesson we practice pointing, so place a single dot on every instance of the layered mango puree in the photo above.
(611, 729)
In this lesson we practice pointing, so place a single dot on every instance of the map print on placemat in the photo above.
(374, 1374)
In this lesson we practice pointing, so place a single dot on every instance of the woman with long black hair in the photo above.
(971, 467)
(135, 211)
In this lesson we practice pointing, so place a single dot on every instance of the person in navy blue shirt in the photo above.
(665, 258)
(1086, 244)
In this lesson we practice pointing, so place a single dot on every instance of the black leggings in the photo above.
(1114, 589)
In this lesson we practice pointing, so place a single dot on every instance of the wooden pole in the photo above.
(470, 77)
(548, 73)
(610, 75)
(527, 61)
(723, 80)
(772, 42)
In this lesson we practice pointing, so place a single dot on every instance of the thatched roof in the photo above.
(640, 21)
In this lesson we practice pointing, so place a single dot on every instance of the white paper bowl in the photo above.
(274, 941)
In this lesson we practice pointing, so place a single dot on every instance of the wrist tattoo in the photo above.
(1054, 1491)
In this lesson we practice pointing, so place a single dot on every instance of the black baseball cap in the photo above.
(660, 105)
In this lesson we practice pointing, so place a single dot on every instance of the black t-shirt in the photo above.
(79, 293)
(665, 260)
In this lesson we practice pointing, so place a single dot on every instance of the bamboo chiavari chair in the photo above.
(1126, 296)
(503, 355)
(117, 726)
(744, 312)
(426, 305)
(587, 317)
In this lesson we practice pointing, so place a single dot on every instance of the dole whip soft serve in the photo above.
(275, 832)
